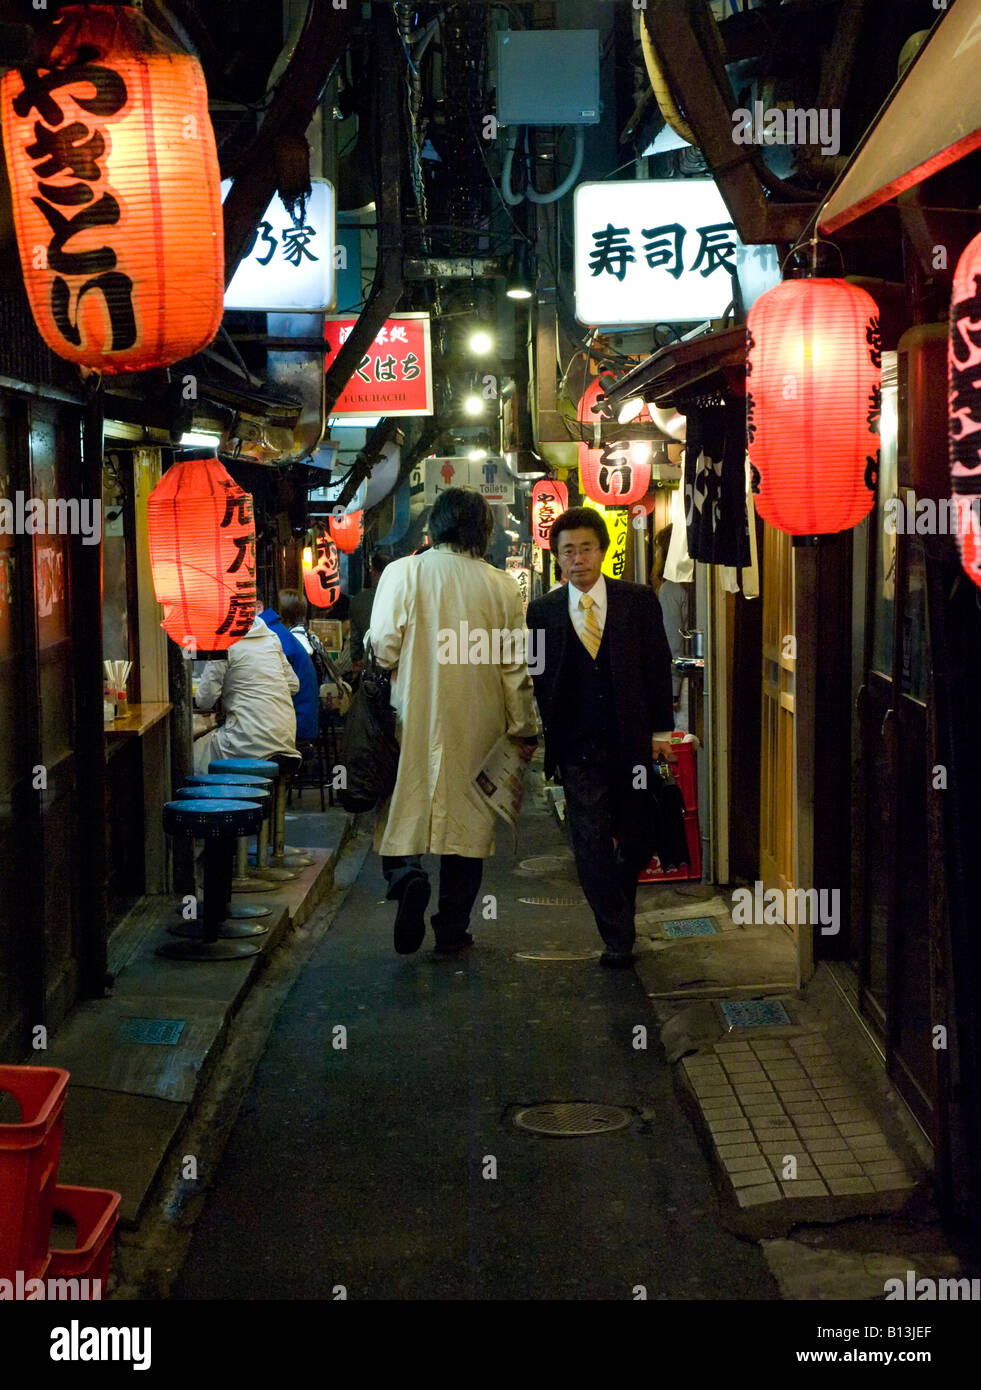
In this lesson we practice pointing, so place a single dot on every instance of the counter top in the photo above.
(137, 720)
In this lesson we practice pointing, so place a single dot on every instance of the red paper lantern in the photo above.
(964, 381)
(347, 531)
(616, 475)
(548, 501)
(813, 399)
(202, 554)
(322, 581)
(117, 205)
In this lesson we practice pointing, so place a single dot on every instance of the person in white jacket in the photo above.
(441, 617)
(256, 685)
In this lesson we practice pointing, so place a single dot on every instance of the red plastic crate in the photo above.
(685, 775)
(29, 1154)
(94, 1213)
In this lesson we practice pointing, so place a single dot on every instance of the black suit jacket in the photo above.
(640, 663)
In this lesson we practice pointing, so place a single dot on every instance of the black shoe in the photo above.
(410, 920)
(618, 960)
(454, 947)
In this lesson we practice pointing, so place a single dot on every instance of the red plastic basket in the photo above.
(94, 1213)
(29, 1154)
(688, 786)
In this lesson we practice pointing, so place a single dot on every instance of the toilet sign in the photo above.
(488, 476)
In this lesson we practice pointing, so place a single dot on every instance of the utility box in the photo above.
(548, 77)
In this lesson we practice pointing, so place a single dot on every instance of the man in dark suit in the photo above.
(605, 697)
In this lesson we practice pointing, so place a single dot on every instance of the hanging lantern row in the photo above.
(813, 401)
(549, 499)
(202, 554)
(618, 474)
(347, 531)
(114, 178)
(964, 385)
(322, 572)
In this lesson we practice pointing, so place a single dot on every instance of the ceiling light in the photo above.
(480, 342)
(630, 410)
(473, 405)
(521, 281)
(200, 439)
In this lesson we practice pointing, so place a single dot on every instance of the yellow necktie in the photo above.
(590, 636)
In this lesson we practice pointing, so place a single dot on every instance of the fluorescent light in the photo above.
(516, 292)
(361, 422)
(200, 439)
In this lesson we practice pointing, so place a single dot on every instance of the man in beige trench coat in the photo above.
(454, 628)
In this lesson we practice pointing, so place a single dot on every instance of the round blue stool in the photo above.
(234, 924)
(262, 767)
(243, 881)
(217, 821)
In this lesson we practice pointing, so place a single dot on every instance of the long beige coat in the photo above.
(449, 713)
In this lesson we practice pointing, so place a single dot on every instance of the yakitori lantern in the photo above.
(202, 554)
(322, 580)
(346, 531)
(964, 381)
(548, 501)
(616, 475)
(114, 179)
(813, 399)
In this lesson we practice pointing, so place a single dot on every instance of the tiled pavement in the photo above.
(786, 1123)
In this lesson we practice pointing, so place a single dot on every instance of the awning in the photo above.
(703, 362)
(931, 119)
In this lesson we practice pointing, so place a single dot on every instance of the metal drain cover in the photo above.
(552, 902)
(556, 955)
(571, 1119)
(547, 863)
(754, 1013)
(690, 926)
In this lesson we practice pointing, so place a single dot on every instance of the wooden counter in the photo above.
(137, 720)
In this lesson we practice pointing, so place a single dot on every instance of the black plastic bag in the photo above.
(671, 845)
(369, 748)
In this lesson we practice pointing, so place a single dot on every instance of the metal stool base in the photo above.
(278, 875)
(228, 931)
(291, 861)
(208, 950)
(252, 884)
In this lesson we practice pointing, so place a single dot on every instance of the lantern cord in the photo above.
(813, 242)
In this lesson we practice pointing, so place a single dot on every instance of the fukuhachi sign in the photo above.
(289, 264)
(653, 251)
(395, 375)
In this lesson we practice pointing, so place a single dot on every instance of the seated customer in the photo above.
(306, 699)
(255, 685)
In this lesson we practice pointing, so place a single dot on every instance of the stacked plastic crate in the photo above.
(30, 1197)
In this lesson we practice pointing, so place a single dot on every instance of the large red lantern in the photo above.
(813, 400)
(202, 554)
(117, 205)
(347, 531)
(548, 501)
(322, 580)
(964, 382)
(616, 475)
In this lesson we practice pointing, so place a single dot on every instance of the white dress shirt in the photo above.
(578, 616)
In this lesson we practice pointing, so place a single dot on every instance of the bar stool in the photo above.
(218, 822)
(245, 767)
(235, 921)
(243, 882)
(281, 859)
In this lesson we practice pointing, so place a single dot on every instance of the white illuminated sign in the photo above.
(289, 265)
(653, 251)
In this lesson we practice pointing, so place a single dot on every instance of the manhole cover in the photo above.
(165, 1032)
(691, 926)
(547, 863)
(754, 1013)
(569, 1119)
(556, 955)
(552, 902)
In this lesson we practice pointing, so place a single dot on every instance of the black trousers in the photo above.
(602, 806)
(459, 884)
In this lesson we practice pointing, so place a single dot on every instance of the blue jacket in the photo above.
(306, 701)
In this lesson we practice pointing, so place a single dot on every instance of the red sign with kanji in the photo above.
(394, 377)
